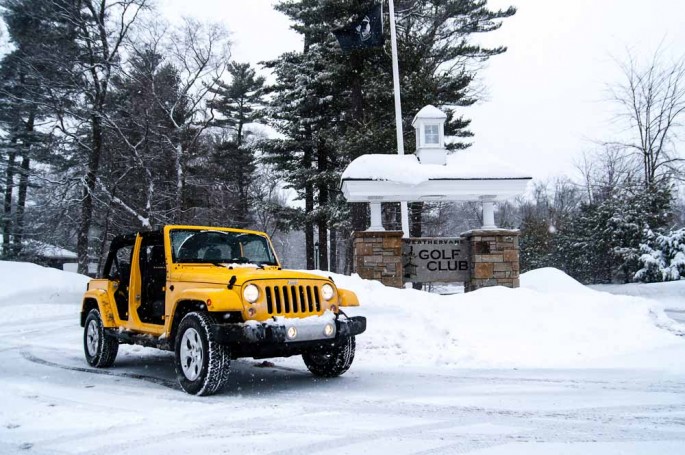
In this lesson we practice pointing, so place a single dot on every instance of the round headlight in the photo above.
(251, 293)
(327, 291)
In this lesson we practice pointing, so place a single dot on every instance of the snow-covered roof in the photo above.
(46, 250)
(466, 176)
(50, 251)
(429, 112)
(407, 168)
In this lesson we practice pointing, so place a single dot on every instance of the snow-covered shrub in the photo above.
(663, 257)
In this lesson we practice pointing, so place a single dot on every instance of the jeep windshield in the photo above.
(220, 247)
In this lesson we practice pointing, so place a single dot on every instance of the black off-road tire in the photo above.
(334, 362)
(202, 364)
(100, 348)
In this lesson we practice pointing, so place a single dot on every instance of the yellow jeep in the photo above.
(211, 295)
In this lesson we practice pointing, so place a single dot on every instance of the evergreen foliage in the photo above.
(333, 107)
(663, 257)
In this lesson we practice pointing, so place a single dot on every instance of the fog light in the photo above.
(328, 330)
(292, 332)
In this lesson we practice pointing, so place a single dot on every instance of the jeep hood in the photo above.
(211, 274)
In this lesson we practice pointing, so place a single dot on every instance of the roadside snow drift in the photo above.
(551, 321)
(20, 278)
(29, 291)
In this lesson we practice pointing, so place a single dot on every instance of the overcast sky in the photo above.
(546, 97)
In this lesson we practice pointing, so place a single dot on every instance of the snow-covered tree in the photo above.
(663, 257)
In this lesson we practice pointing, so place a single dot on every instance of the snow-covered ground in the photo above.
(670, 294)
(553, 367)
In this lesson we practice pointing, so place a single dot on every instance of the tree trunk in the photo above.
(333, 266)
(309, 226)
(88, 190)
(416, 227)
(322, 223)
(308, 208)
(102, 254)
(360, 219)
(23, 189)
(358, 212)
(7, 213)
(323, 244)
(416, 219)
(180, 180)
(21, 203)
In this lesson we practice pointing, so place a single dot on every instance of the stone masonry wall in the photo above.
(378, 256)
(494, 258)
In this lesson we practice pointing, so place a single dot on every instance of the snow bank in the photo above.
(551, 321)
(21, 279)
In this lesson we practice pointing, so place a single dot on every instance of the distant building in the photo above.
(48, 255)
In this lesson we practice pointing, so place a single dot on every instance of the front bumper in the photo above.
(270, 339)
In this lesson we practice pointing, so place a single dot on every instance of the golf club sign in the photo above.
(441, 260)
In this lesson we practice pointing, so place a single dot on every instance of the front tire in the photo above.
(202, 364)
(100, 348)
(334, 362)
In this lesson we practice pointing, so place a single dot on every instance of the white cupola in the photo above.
(429, 124)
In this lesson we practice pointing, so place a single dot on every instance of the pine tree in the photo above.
(239, 102)
(139, 175)
(36, 33)
(356, 88)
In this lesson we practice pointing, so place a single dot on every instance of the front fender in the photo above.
(347, 298)
(217, 299)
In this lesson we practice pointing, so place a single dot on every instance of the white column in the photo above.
(404, 212)
(376, 218)
(488, 214)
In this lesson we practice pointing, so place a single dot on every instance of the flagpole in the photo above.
(398, 108)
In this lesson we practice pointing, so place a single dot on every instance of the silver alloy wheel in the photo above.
(92, 338)
(191, 354)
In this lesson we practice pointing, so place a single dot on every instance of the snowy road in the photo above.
(52, 403)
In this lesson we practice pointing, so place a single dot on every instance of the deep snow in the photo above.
(552, 367)
(550, 321)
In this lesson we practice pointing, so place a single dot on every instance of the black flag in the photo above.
(367, 32)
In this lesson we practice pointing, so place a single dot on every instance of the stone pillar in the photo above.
(494, 258)
(378, 256)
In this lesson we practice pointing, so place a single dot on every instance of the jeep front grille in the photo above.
(289, 300)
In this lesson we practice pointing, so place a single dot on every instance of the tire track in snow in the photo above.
(154, 380)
